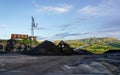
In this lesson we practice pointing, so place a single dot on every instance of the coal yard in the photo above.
(69, 38)
(18, 64)
(49, 59)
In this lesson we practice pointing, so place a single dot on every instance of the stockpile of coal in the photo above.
(49, 48)
(112, 54)
(65, 48)
(45, 48)
(80, 51)
(1, 49)
(112, 51)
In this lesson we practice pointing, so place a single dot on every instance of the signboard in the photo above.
(19, 36)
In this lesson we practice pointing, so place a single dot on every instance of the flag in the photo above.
(33, 22)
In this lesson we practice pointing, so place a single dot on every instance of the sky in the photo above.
(60, 19)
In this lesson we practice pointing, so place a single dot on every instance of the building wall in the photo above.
(19, 36)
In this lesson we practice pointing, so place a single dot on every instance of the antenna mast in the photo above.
(33, 26)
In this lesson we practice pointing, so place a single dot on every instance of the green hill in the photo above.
(100, 40)
(96, 45)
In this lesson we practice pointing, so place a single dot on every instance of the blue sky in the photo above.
(60, 19)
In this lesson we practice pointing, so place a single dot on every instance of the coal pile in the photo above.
(112, 51)
(45, 48)
(115, 54)
(94, 65)
(49, 48)
(80, 51)
(1, 49)
(65, 48)
(92, 68)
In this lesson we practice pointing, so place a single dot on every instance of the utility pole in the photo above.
(33, 26)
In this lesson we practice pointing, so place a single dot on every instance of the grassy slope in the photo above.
(96, 45)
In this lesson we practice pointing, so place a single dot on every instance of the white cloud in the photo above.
(67, 34)
(54, 9)
(89, 10)
(107, 7)
(35, 3)
(2, 25)
(61, 8)
(113, 33)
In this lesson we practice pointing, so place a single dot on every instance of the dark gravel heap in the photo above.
(80, 51)
(45, 48)
(65, 48)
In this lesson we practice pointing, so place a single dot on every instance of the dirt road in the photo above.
(23, 65)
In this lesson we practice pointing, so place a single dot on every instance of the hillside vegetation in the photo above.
(95, 45)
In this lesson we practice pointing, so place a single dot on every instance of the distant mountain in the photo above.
(97, 40)
(96, 45)
(100, 40)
